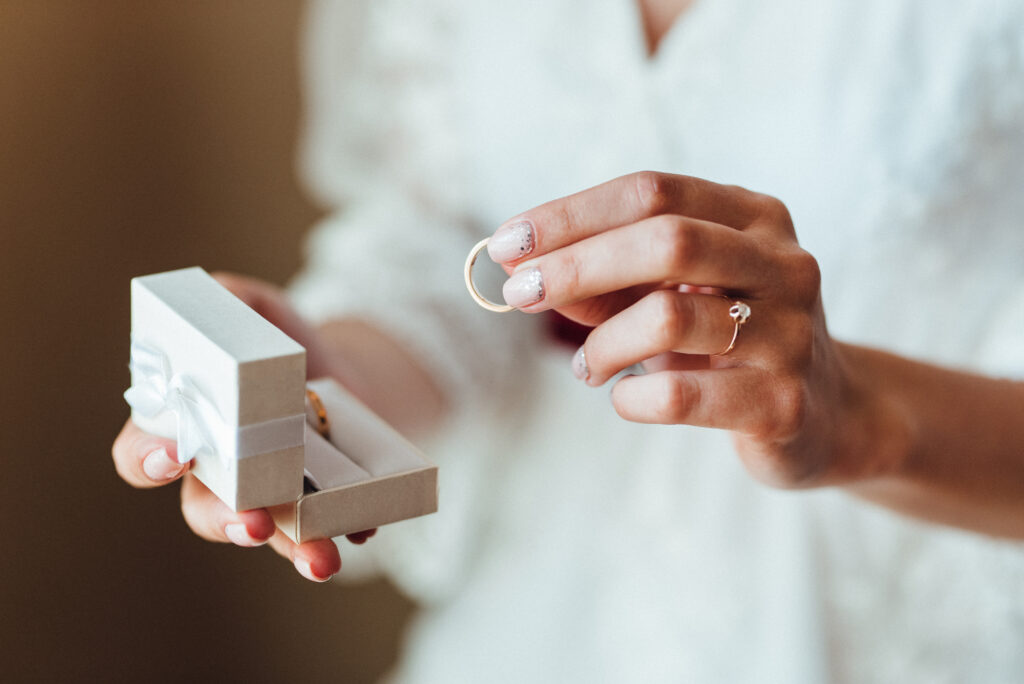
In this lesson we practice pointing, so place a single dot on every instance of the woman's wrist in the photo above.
(938, 444)
(877, 434)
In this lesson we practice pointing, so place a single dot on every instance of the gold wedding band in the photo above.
(473, 292)
(739, 312)
(322, 425)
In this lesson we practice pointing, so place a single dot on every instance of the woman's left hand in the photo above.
(655, 261)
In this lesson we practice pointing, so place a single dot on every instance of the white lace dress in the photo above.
(573, 546)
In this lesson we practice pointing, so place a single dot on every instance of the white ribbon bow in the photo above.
(155, 390)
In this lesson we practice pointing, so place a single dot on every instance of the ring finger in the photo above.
(663, 321)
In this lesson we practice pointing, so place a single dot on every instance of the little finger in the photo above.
(742, 399)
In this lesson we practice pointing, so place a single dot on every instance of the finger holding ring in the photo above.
(471, 286)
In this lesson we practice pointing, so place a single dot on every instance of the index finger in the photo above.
(617, 203)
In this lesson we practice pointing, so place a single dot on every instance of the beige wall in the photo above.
(137, 137)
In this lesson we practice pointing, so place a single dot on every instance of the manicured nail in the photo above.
(579, 365)
(159, 466)
(239, 535)
(523, 288)
(511, 242)
(305, 569)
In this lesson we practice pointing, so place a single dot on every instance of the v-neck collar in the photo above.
(704, 16)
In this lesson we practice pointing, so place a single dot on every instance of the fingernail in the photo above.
(579, 365)
(159, 466)
(523, 288)
(511, 242)
(239, 535)
(305, 569)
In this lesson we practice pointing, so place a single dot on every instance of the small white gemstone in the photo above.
(739, 312)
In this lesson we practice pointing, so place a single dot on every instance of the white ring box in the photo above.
(366, 476)
(258, 454)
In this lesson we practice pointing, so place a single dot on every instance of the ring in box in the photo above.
(365, 475)
(231, 388)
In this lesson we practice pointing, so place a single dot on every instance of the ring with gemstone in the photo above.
(739, 312)
(473, 292)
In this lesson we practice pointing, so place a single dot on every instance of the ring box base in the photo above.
(369, 474)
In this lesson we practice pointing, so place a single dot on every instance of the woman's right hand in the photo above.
(145, 461)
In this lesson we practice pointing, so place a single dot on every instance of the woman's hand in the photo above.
(144, 460)
(646, 259)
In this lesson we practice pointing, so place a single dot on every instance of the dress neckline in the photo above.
(689, 22)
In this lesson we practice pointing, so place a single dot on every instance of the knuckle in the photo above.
(563, 218)
(672, 314)
(805, 276)
(653, 192)
(773, 210)
(569, 272)
(566, 216)
(677, 399)
(678, 242)
(791, 407)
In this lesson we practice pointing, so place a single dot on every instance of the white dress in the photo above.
(572, 546)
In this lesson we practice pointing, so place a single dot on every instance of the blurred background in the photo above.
(137, 137)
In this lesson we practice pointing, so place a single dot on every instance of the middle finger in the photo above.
(669, 249)
(619, 202)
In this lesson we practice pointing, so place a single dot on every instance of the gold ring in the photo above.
(739, 312)
(477, 297)
(322, 425)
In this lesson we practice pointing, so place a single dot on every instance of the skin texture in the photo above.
(616, 256)
(637, 258)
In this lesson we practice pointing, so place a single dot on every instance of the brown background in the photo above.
(137, 137)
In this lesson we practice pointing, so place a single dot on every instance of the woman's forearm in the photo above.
(956, 440)
(383, 374)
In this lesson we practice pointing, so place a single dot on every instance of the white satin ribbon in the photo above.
(200, 427)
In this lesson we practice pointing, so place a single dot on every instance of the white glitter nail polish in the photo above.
(511, 242)
(524, 288)
(579, 365)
